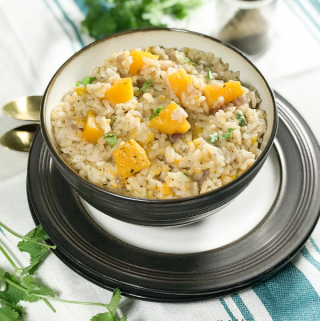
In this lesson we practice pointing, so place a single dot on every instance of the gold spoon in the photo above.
(24, 108)
(20, 138)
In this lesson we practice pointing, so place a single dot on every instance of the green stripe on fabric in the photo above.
(61, 25)
(224, 304)
(71, 23)
(310, 258)
(314, 244)
(82, 6)
(293, 10)
(289, 296)
(242, 307)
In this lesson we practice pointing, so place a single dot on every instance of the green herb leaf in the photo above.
(124, 318)
(228, 133)
(209, 74)
(8, 314)
(33, 288)
(114, 302)
(114, 120)
(17, 308)
(241, 118)
(111, 139)
(78, 83)
(88, 80)
(107, 316)
(185, 174)
(10, 292)
(145, 86)
(189, 62)
(156, 112)
(213, 138)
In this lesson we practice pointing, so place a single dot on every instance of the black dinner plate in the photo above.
(109, 262)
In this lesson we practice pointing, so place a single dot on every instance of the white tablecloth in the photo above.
(36, 38)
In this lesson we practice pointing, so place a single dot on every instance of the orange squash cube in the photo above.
(120, 92)
(137, 60)
(130, 158)
(230, 91)
(179, 81)
(165, 124)
(92, 130)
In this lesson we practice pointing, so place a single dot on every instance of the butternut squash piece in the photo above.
(179, 81)
(120, 92)
(137, 60)
(92, 130)
(80, 90)
(165, 124)
(130, 158)
(229, 91)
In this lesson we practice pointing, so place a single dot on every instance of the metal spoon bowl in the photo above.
(20, 138)
(24, 108)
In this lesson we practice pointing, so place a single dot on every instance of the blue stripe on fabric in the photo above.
(71, 23)
(310, 258)
(242, 307)
(314, 244)
(315, 4)
(307, 14)
(61, 25)
(224, 304)
(289, 4)
(289, 296)
(2, 231)
(82, 6)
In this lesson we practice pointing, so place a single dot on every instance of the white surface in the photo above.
(228, 225)
(32, 46)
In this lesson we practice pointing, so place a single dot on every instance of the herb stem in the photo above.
(16, 269)
(27, 238)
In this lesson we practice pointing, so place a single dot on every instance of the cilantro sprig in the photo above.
(189, 62)
(241, 118)
(145, 86)
(85, 81)
(22, 287)
(156, 112)
(111, 139)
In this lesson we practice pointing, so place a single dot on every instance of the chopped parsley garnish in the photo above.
(228, 133)
(209, 74)
(241, 118)
(85, 81)
(213, 138)
(145, 86)
(88, 80)
(189, 62)
(114, 120)
(111, 139)
(156, 112)
(186, 174)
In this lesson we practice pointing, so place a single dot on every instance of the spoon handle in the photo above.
(24, 108)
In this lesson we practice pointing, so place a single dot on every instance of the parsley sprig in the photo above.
(111, 139)
(241, 118)
(209, 75)
(22, 287)
(228, 133)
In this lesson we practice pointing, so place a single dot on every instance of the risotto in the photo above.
(160, 123)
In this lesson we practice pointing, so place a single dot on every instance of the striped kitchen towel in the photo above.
(37, 37)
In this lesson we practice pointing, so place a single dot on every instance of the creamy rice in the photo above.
(176, 165)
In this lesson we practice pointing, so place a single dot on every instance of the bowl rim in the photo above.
(57, 158)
